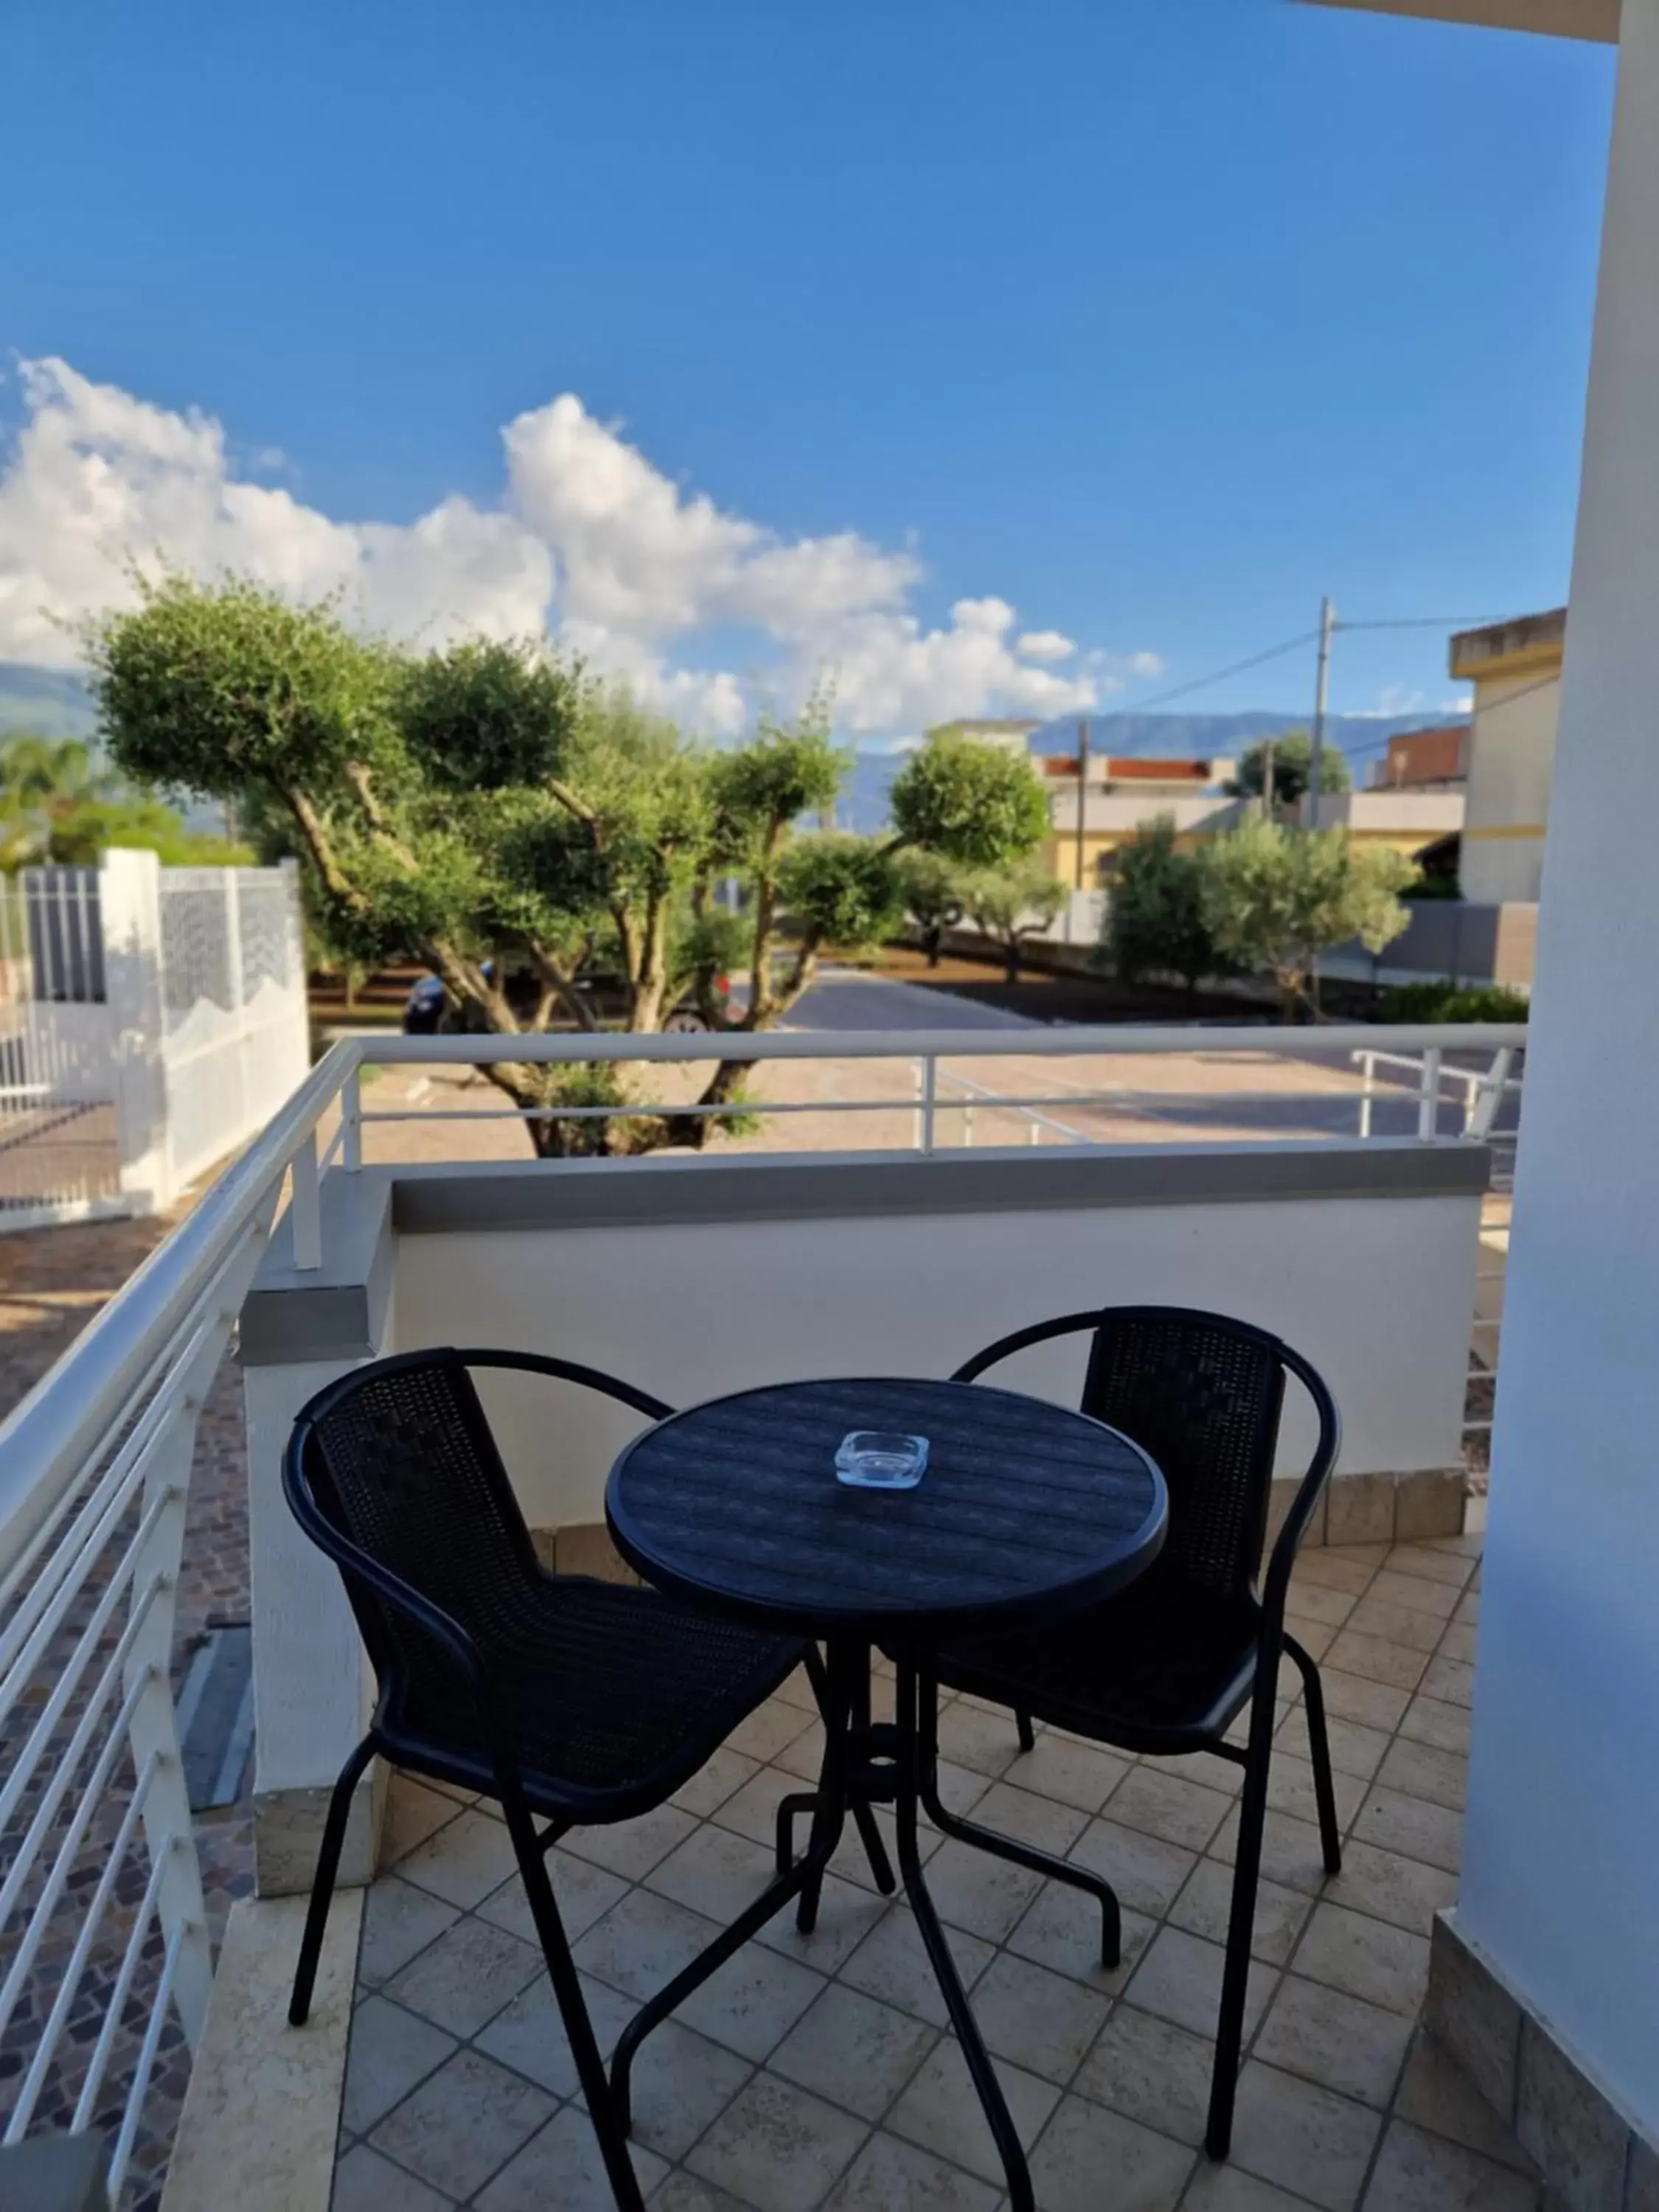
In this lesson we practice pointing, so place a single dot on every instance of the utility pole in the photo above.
(1322, 691)
(1082, 792)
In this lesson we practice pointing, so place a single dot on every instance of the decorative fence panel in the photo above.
(151, 1020)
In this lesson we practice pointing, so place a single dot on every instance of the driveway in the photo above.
(845, 998)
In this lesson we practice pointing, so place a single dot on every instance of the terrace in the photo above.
(696, 1275)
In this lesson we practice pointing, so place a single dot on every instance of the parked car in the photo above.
(426, 1011)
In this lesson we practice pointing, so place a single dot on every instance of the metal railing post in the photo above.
(968, 1125)
(1428, 1107)
(1368, 1077)
(306, 1211)
(929, 1100)
(352, 1120)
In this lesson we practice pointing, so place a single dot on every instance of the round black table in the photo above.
(1026, 1511)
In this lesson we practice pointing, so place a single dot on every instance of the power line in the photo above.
(1221, 676)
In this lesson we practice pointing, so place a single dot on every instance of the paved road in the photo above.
(845, 998)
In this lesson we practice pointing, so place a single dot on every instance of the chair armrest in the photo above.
(1276, 1583)
(566, 1370)
(1006, 1347)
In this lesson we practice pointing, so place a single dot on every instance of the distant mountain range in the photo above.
(55, 703)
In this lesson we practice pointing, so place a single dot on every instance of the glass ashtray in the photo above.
(875, 1459)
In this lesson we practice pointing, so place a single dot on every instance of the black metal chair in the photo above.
(1169, 1665)
(576, 1700)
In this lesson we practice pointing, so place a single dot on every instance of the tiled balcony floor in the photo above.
(815, 2070)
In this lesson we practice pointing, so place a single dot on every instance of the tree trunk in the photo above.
(1011, 961)
(932, 943)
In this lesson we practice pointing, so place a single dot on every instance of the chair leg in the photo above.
(1027, 1733)
(1330, 1833)
(609, 2125)
(322, 1882)
(1241, 1921)
(1005, 1847)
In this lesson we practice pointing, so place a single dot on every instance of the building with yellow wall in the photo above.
(1515, 669)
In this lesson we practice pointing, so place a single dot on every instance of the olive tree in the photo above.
(1279, 897)
(931, 891)
(1159, 919)
(494, 811)
(1012, 903)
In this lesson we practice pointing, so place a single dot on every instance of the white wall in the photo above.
(1378, 1292)
(1561, 1860)
(1511, 757)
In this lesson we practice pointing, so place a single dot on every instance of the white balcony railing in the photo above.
(100, 1896)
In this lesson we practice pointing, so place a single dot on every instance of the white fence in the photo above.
(100, 1888)
(151, 1020)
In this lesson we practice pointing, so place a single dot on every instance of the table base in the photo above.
(866, 1763)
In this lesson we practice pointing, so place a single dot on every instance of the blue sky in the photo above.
(1150, 320)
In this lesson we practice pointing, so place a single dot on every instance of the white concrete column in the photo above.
(1561, 1884)
(130, 912)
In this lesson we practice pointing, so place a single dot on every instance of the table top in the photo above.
(1025, 1508)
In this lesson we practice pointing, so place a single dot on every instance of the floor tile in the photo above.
(798, 1690)
(970, 1736)
(1429, 1720)
(803, 1757)
(1329, 1570)
(366, 2182)
(1061, 1928)
(1417, 1592)
(714, 1781)
(853, 2050)
(1420, 2172)
(583, 1892)
(390, 2050)
(642, 1941)
(889, 2175)
(1418, 1770)
(684, 2193)
(1151, 2070)
(399, 1921)
(682, 2082)
(941, 2110)
(1179, 1979)
(778, 2148)
(892, 1963)
(631, 1848)
(1166, 1806)
(1146, 1871)
(772, 1729)
(1080, 1774)
(463, 2124)
(1208, 1771)
(528, 2035)
(973, 1890)
(752, 1810)
(1230, 2188)
(1367, 1958)
(1451, 1679)
(713, 1871)
(1355, 1698)
(562, 2166)
(1397, 1823)
(1043, 1822)
(1291, 1789)
(1391, 1888)
(1430, 1563)
(413, 1812)
(754, 1999)
(1304, 2138)
(464, 1860)
(846, 1915)
(1292, 1853)
(466, 1977)
(1355, 1749)
(1376, 1659)
(1313, 1600)
(1040, 2019)
(1337, 2040)
(1395, 1622)
(1088, 2157)
(1205, 1908)
(1435, 2094)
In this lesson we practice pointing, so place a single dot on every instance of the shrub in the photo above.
(1446, 1002)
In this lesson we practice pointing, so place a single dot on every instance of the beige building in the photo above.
(1515, 668)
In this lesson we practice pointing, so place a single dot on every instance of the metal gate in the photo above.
(59, 1156)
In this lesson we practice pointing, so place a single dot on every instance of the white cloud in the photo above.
(1045, 645)
(591, 541)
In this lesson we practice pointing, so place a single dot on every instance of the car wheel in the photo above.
(684, 1021)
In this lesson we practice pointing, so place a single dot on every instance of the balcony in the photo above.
(976, 1180)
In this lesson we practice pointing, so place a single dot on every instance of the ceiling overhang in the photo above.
(1562, 19)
